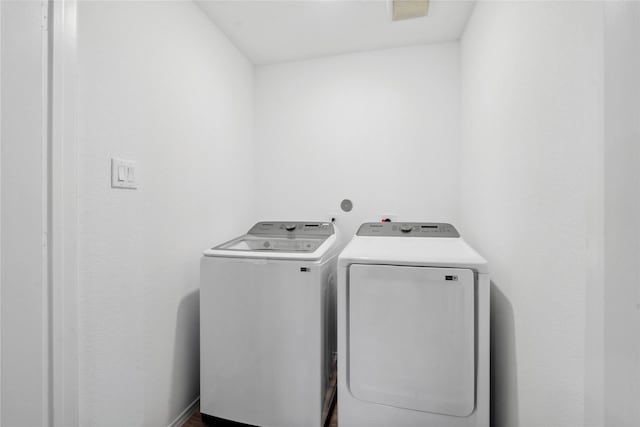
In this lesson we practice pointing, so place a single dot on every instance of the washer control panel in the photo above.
(407, 229)
(292, 228)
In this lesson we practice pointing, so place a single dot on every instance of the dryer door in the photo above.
(411, 337)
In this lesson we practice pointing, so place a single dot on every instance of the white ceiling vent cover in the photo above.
(408, 9)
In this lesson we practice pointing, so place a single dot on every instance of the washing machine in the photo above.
(268, 326)
(413, 328)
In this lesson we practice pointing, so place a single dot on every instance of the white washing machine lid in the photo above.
(423, 245)
(280, 240)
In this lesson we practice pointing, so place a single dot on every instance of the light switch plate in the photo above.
(123, 174)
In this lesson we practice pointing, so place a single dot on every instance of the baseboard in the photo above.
(186, 414)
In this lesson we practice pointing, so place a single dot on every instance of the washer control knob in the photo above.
(290, 227)
(406, 228)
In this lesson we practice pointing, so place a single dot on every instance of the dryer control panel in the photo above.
(407, 229)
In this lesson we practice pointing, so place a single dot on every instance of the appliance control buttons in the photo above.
(406, 228)
(290, 227)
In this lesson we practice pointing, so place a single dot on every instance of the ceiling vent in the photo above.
(408, 9)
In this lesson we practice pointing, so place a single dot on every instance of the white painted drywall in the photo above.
(159, 84)
(23, 252)
(531, 120)
(622, 211)
(379, 128)
(283, 30)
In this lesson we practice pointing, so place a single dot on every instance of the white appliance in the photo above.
(267, 326)
(413, 328)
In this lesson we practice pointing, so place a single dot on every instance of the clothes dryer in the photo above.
(413, 328)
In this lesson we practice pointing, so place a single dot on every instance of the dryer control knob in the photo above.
(406, 228)
(290, 227)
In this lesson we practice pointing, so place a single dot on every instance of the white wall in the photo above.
(379, 128)
(159, 84)
(23, 196)
(531, 122)
(622, 210)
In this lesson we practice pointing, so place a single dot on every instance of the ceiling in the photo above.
(270, 31)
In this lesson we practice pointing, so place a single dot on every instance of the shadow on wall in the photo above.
(185, 376)
(504, 382)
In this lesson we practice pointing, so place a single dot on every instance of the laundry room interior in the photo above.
(138, 135)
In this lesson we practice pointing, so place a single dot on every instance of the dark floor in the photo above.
(330, 397)
(196, 421)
